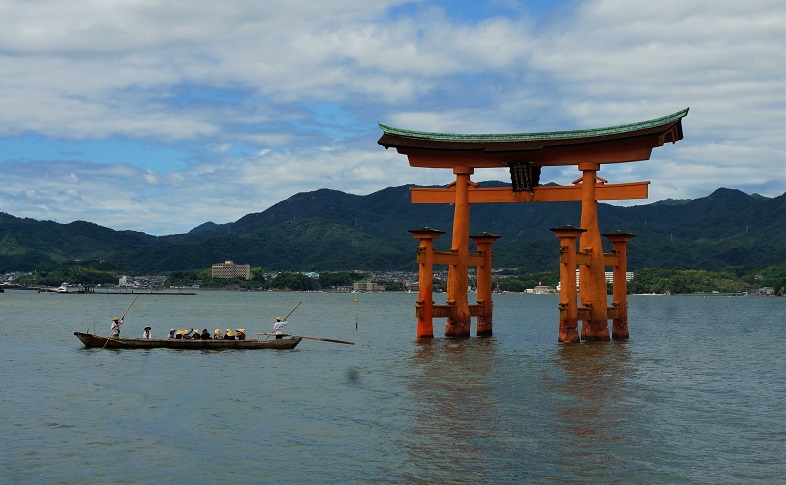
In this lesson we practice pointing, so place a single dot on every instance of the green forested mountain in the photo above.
(329, 230)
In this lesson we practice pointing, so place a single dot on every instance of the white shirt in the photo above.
(278, 328)
(116, 327)
(146, 334)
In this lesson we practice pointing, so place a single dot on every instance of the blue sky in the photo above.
(159, 116)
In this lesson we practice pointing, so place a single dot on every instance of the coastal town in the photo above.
(242, 277)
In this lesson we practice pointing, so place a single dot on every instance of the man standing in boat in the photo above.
(146, 334)
(115, 328)
(278, 328)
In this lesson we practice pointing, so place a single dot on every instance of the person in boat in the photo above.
(230, 335)
(193, 334)
(217, 334)
(205, 334)
(146, 334)
(278, 328)
(172, 333)
(179, 334)
(115, 328)
(241, 333)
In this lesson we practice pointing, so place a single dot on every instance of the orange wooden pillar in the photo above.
(568, 306)
(424, 308)
(484, 290)
(459, 319)
(592, 276)
(620, 240)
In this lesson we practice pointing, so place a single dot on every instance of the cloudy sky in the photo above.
(159, 116)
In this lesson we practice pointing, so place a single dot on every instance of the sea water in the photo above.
(695, 396)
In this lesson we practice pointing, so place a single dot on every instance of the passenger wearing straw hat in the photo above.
(217, 334)
(115, 328)
(230, 335)
(241, 333)
(146, 334)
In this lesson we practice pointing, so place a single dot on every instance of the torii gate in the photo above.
(525, 154)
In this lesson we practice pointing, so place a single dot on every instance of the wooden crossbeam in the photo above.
(440, 195)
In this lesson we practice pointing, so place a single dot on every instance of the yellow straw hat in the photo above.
(218, 331)
(230, 333)
(240, 330)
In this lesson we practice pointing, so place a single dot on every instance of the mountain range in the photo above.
(329, 230)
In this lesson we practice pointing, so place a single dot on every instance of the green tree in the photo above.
(291, 281)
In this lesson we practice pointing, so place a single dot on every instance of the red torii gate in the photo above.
(525, 154)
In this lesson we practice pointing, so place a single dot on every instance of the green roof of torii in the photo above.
(613, 144)
(549, 135)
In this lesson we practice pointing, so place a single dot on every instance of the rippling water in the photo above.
(696, 395)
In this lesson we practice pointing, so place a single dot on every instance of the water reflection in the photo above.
(454, 428)
(594, 416)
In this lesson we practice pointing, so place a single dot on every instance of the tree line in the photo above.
(731, 280)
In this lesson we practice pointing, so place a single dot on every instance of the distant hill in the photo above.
(329, 230)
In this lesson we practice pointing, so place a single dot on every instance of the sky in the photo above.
(160, 116)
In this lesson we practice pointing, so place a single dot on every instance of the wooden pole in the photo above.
(129, 307)
(312, 338)
(293, 310)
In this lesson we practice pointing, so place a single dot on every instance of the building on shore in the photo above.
(229, 270)
(367, 286)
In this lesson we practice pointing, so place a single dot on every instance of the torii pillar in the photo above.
(592, 274)
(459, 321)
(484, 290)
(424, 308)
(619, 260)
(568, 308)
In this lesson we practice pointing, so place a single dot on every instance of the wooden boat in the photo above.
(92, 340)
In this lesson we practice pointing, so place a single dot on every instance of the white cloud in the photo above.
(268, 99)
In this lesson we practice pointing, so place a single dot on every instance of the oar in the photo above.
(124, 315)
(312, 338)
(293, 310)
(129, 307)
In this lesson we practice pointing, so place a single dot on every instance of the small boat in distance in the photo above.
(65, 288)
(68, 288)
(97, 341)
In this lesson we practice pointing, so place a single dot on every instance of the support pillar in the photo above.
(458, 322)
(568, 306)
(424, 308)
(619, 325)
(592, 276)
(484, 290)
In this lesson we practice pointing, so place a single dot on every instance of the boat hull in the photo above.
(93, 341)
